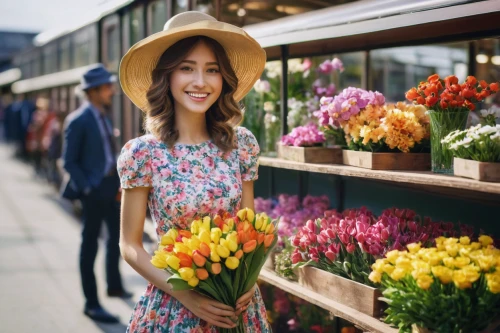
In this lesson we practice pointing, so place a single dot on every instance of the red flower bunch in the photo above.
(449, 94)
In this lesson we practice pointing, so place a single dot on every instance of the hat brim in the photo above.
(110, 79)
(246, 56)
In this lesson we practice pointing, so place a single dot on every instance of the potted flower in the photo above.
(476, 152)
(377, 133)
(452, 287)
(449, 104)
(306, 144)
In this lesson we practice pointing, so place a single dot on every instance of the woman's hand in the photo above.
(211, 311)
(244, 301)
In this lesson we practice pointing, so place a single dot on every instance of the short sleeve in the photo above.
(248, 151)
(134, 164)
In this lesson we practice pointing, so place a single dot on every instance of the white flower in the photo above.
(496, 136)
(262, 86)
(268, 106)
(486, 130)
(273, 69)
(295, 66)
(494, 110)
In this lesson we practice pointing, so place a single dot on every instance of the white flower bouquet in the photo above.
(479, 143)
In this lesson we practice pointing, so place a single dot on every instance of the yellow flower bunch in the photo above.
(399, 125)
(456, 260)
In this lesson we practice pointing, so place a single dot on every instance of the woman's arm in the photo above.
(247, 196)
(133, 214)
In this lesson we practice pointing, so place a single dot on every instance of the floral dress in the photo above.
(187, 181)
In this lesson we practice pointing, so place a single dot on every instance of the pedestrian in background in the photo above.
(89, 156)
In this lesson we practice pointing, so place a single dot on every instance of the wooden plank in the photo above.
(340, 310)
(358, 296)
(387, 161)
(410, 177)
(483, 171)
(310, 154)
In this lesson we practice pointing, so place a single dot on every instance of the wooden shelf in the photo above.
(403, 177)
(357, 318)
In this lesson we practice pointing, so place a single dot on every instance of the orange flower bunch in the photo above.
(448, 94)
(220, 256)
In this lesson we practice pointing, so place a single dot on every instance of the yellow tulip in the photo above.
(452, 250)
(493, 281)
(461, 262)
(258, 221)
(485, 240)
(214, 256)
(471, 273)
(225, 229)
(204, 236)
(264, 224)
(186, 273)
(222, 251)
(392, 256)
(424, 281)
(232, 262)
(159, 262)
(246, 214)
(444, 274)
(486, 262)
(173, 233)
(460, 279)
(232, 236)
(166, 240)
(215, 235)
(464, 240)
(194, 243)
(193, 282)
(213, 247)
(223, 242)
(269, 228)
(414, 247)
(173, 262)
(195, 227)
(230, 223)
(180, 247)
(206, 224)
(232, 246)
(475, 245)
(403, 263)
(388, 269)
(375, 277)
(398, 274)
(379, 265)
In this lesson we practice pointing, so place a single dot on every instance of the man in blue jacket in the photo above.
(89, 155)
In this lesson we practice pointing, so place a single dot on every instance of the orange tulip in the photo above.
(412, 94)
(239, 254)
(199, 259)
(249, 246)
(201, 273)
(483, 84)
(494, 86)
(205, 249)
(186, 260)
(243, 237)
(420, 100)
(433, 78)
(471, 80)
(216, 268)
(168, 248)
(450, 80)
(260, 238)
(185, 233)
(218, 221)
(268, 240)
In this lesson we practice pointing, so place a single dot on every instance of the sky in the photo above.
(42, 15)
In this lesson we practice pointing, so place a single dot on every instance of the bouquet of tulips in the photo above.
(452, 287)
(221, 256)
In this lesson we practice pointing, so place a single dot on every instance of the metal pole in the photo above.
(284, 89)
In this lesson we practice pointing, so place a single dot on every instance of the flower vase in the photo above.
(442, 123)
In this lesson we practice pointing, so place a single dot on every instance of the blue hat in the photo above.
(96, 76)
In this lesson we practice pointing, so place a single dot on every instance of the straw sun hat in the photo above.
(246, 55)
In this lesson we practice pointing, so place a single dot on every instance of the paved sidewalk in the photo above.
(39, 246)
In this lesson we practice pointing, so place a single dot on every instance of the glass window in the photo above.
(112, 47)
(64, 54)
(158, 15)
(395, 70)
(81, 55)
(179, 6)
(137, 25)
(262, 108)
(50, 59)
(487, 64)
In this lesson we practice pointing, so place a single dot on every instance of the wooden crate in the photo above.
(484, 171)
(388, 161)
(350, 293)
(330, 155)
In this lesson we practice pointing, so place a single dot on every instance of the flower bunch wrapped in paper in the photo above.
(371, 125)
(221, 256)
(453, 287)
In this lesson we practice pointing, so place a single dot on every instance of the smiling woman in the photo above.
(191, 77)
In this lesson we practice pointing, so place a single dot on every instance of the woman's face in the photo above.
(196, 83)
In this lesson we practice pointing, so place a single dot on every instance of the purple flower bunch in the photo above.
(328, 66)
(319, 90)
(336, 110)
(304, 136)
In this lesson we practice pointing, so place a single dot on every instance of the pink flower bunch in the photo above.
(304, 136)
(328, 66)
(336, 110)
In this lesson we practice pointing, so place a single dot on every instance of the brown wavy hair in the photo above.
(221, 117)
